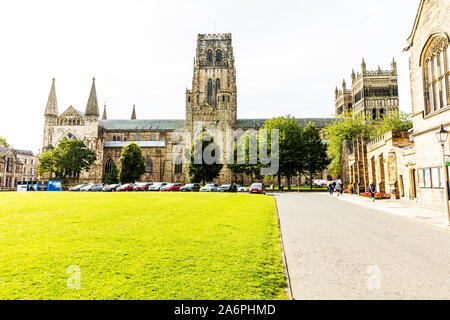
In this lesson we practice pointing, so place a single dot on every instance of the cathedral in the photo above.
(212, 102)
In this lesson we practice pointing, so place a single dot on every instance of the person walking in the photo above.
(372, 190)
(331, 188)
(338, 189)
(341, 189)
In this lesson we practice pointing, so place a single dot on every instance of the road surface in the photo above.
(339, 250)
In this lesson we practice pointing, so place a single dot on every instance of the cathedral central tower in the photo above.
(212, 99)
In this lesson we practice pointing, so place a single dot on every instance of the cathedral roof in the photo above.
(133, 125)
(141, 124)
(258, 123)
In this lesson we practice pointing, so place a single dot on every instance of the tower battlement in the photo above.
(214, 36)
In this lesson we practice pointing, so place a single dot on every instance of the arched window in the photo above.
(137, 137)
(218, 55)
(114, 138)
(149, 164)
(217, 90)
(210, 92)
(70, 136)
(381, 112)
(435, 68)
(179, 165)
(374, 114)
(209, 56)
(109, 165)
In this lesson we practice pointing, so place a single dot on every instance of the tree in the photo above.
(46, 164)
(345, 127)
(132, 164)
(3, 142)
(291, 146)
(394, 121)
(68, 159)
(112, 177)
(316, 158)
(246, 156)
(203, 157)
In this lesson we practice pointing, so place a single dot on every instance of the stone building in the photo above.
(30, 164)
(211, 104)
(429, 73)
(11, 168)
(373, 93)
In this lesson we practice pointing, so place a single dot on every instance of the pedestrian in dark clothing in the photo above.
(341, 190)
(331, 188)
(372, 190)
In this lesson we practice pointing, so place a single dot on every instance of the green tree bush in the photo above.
(316, 158)
(132, 164)
(68, 159)
(199, 168)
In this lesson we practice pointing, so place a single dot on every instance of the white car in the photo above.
(241, 189)
(210, 188)
(157, 185)
(86, 187)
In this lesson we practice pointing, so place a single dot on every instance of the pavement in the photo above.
(338, 249)
(407, 209)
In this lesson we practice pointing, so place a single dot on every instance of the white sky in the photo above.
(289, 55)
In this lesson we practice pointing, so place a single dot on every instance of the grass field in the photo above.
(139, 246)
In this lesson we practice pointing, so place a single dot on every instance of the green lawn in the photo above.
(140, 246)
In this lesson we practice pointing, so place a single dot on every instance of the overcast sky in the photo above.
(289, 55)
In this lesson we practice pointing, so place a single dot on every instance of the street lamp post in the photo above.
(442, 136)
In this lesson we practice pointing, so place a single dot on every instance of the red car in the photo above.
(142, 186)
(126, 187)
(172, 187)
(257, 188)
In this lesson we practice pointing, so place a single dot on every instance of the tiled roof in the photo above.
(141, 124)
(24, 152)
(120, 144)
(258, 123)
(179, 124)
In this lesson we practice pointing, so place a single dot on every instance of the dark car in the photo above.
(257, 188)
(190, 187)
(142, 186)
(111, 187)
(171, 187)
(126, 187)
(225, 188)
(96, 187)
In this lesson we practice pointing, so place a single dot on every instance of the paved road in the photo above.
(339, 250)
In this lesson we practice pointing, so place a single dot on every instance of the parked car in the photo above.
(86, 187)
(77, 188)
(209, 188)
(157, 185)
(257, 188)
(225, 188)
(171, 187)
(241, 189)
(126, 187)
(96, 187)
(143, 186)
(111, 187)
(190, 187)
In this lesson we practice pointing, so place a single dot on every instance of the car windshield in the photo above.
(189, 185)
(257, 185)
(225, 185)
(209, 186)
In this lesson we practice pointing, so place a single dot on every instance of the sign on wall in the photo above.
(447, 160)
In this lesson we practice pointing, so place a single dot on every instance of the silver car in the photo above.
(210, 188)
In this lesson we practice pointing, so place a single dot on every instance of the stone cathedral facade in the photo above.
(212, 103)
